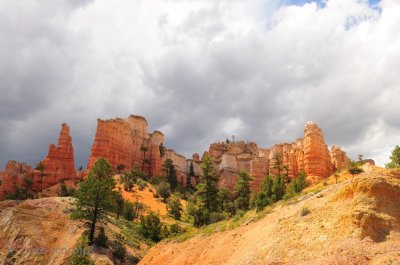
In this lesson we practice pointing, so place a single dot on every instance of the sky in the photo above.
(200, 71)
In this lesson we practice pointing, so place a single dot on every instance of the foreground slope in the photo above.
(354, 222)
(37, 231)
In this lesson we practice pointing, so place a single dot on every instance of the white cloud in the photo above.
(200, 69)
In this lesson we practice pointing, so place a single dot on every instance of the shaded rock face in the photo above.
(59, 163)
(309, 154)
(14, 175)
(127, 142)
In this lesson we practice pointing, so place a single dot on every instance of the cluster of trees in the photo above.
(210, 204)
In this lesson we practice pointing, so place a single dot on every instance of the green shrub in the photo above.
(175, 229)
(216, 217)
(81, 253)
(150, 226)
(305, 211)
(201, 216)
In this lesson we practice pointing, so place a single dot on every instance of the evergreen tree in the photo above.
(170, 173)
(277, 163)
(242, 191)
(189, 177)
(208, 189)
(119, 203)
(394, 158)
(94, 195)
(174, 207)
(224, 199)
(278, 188)
(262, 200)
(266, 185)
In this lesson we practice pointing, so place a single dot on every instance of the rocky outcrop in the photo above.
(309, 154)
(13, 176)
(59, 163)
(339, 158)
(127, 142)
(317, 160)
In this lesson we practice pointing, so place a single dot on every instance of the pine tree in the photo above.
(170, 173)
(94, 195)
(278, 188)
(174, 207)
(208, 189)
(266, 185)
(242, 191)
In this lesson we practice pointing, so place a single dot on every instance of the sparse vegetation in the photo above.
(119, 249)
(305, 211)
(354, 168)
(81, 253)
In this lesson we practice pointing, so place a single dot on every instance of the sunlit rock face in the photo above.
(128, 142)
(309, 154)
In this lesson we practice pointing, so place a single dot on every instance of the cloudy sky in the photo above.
(200, 71)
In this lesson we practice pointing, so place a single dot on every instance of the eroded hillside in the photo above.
(354, 222)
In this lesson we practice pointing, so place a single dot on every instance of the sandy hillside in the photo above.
(356, 221)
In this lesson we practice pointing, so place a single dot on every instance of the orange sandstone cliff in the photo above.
(127, 142)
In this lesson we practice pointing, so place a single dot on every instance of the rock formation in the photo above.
(127, 142)
(59, 163)
(339, 158)
(13, 176)
(309, 154)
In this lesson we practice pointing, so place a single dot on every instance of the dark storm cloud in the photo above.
(200, 71)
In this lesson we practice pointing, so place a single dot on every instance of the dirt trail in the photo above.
(354, 222)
